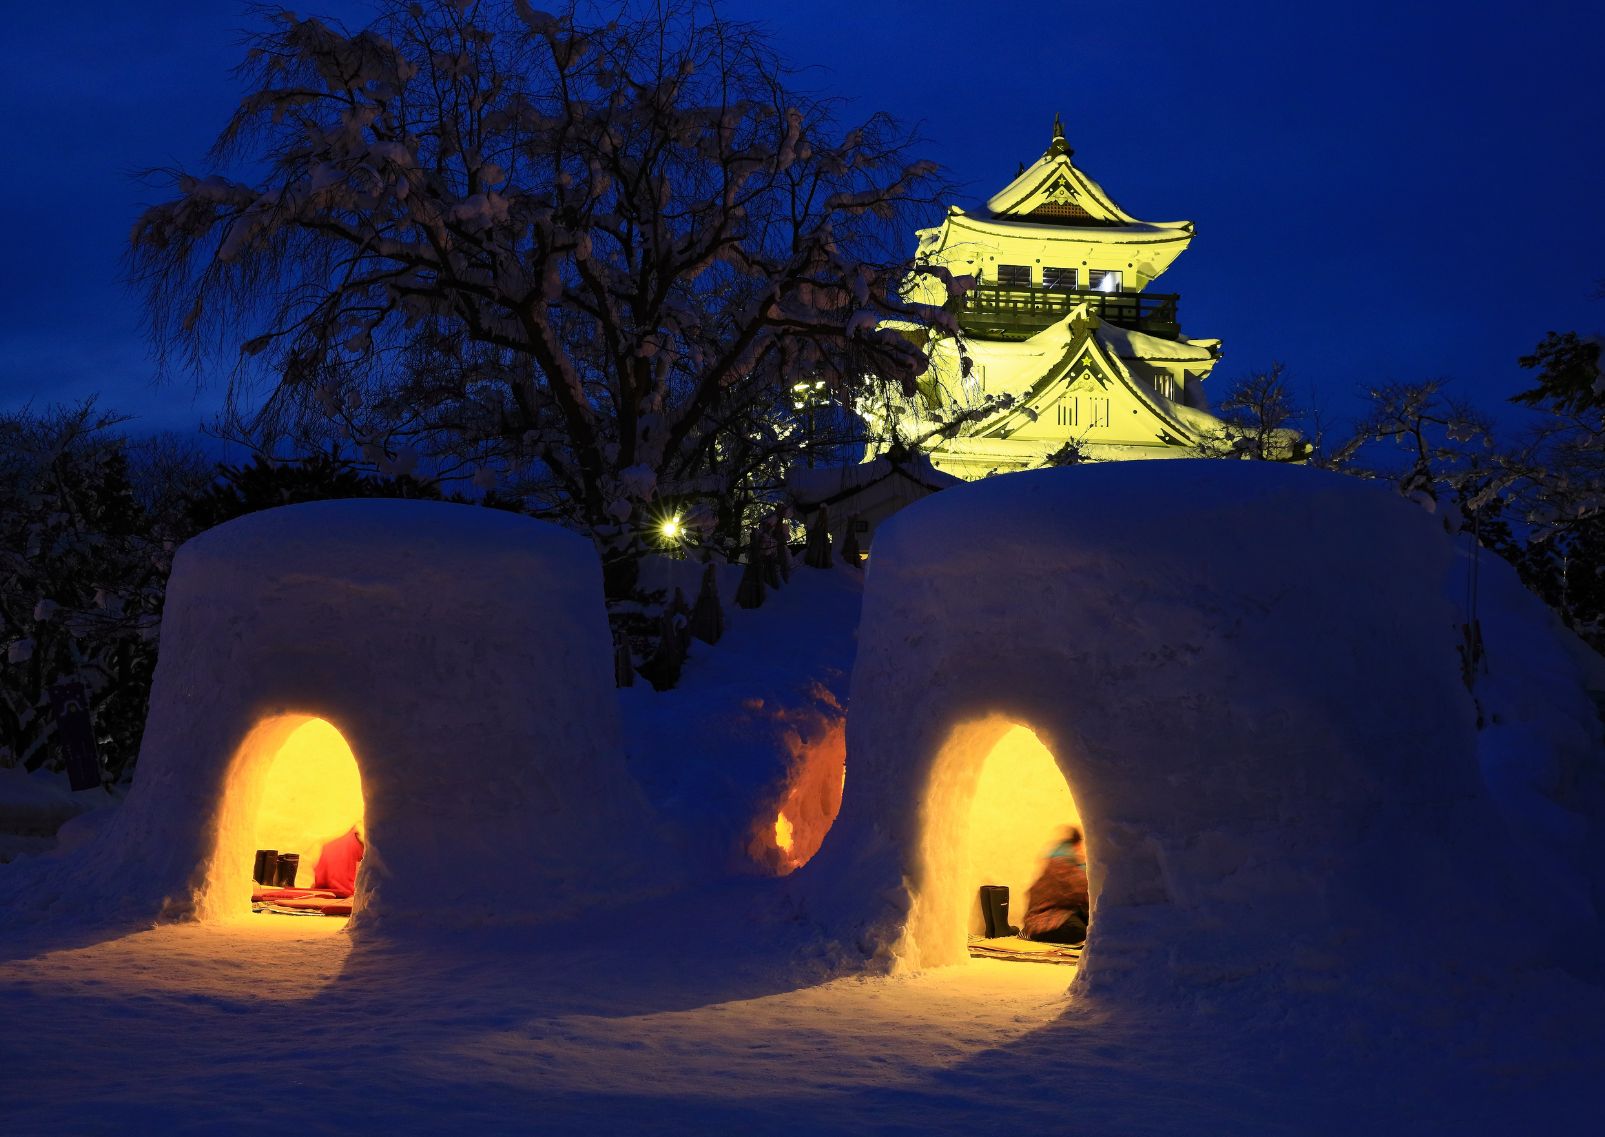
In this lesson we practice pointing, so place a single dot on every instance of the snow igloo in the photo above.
(437, 676)
(1243, 682)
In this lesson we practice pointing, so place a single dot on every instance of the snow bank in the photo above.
(464, 656)
(1248, 675)
(35, 806)
(1541, 691)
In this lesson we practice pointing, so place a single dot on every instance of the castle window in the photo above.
(1104, 280)
(1100, 411)
(1058, 277)
(1014, 274)
(1067, 412)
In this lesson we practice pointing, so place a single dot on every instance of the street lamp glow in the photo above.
(672, 529)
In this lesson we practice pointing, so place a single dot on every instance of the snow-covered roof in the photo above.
(1055, 192)
(1130, 344)
(827, 485)
(1136, 233)
(1075, 338)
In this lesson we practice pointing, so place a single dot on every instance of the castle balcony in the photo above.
(1020, 311)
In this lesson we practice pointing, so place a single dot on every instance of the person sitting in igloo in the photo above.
(337, 864)
(1058, 904)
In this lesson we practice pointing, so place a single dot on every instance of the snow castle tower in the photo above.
(440, 675)
(1062, 320)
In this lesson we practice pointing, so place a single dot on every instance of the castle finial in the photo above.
(1059, 145)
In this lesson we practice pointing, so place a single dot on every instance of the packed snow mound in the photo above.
(462, 655)
(754, 731)
(1249, 677)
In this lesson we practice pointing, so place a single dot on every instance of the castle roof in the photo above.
(1052, 191)
(1054, 209)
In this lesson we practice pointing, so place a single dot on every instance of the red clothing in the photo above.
(1060, 894)
(337, 865)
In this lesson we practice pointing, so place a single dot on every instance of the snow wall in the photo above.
(463, 654)
(1249, 678)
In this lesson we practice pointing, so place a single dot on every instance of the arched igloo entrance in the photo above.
(995, 804)
(294, 786)
(790, 830)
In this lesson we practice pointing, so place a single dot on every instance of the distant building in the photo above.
(1064, 353)
(861, 497)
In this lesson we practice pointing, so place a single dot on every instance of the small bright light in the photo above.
(673, 528)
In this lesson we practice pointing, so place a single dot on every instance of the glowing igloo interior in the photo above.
(293, 786)
(994, 806)
(786, 836)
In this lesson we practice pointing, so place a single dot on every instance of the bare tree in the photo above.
(1262, 421)
(1447, 444)
(581, 250)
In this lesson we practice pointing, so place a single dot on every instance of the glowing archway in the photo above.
(787, 835)
(994, 805)
(293, 785)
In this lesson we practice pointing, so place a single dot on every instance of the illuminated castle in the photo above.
(1062, 346)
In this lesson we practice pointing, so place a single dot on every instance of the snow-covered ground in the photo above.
(737, 1004)
(678, 1021)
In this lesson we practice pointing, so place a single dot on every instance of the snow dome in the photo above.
(437, 676)
(1242, 680)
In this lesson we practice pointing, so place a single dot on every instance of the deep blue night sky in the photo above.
(1381, 190)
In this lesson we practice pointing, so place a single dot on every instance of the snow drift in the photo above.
(1249, 678)
(749, 747)
(463, 656)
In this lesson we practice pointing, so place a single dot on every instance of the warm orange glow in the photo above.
(292, 786)
(1020, 807)
(313, 794)
(784, 840)
(995, 805)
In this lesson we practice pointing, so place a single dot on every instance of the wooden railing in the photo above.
(1019, 311)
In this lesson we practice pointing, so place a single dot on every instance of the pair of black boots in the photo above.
(995, 911)
(274, 869)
